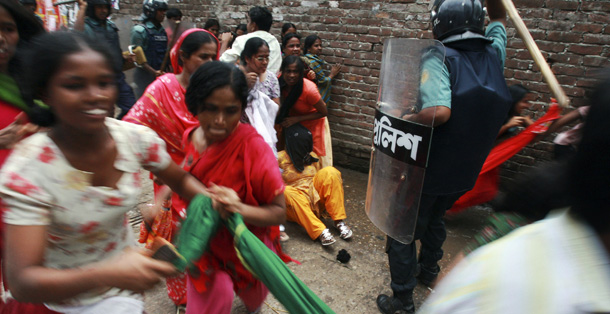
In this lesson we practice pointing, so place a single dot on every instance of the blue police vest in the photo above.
(156, 47)
(480, 102)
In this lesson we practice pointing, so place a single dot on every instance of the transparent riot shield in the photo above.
(401, 141)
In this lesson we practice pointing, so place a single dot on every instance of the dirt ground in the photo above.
(350, 288)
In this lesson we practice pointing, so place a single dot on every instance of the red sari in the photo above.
(162, 108)
(245, 163)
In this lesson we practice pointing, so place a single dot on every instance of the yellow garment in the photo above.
(308, 189)
(327, 161)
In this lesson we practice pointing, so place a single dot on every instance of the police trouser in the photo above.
(430, 230)
(126, 98)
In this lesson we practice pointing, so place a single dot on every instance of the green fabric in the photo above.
(202, 223)
(197, 230)
(498, 225)
(316, 64)
(9, 92)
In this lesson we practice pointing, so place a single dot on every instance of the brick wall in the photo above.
(572, 34)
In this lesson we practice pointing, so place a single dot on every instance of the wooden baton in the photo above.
(527, 38)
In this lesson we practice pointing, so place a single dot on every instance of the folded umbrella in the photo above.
(200, 226)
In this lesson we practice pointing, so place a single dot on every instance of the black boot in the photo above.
(394, 305)
(427, 275)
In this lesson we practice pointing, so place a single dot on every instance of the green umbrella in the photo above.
(202, 222)
(197, 230)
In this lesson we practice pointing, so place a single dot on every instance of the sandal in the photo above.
(346, 231)
(326, 238)
(284, 236)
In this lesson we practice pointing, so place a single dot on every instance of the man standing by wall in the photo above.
(259, 24)
(474, 103)
(151, 36)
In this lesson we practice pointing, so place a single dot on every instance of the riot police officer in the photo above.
(151, 36)
(474, 102)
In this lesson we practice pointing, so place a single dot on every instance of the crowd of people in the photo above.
(241, 118)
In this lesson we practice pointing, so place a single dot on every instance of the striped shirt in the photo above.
(557, 265)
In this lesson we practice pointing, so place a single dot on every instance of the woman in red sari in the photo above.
(229, 153)
(301, 103)
(162, 109)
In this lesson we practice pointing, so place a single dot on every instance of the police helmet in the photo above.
(91, 7)
(151, 6)
(464, 18)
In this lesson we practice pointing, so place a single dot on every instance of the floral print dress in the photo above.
(85, 224)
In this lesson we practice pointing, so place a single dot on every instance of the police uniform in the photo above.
(153, 41)
(473, 85)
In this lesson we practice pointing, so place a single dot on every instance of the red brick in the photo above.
(562, 4)
(599, 18)
(528, 3)
(585, 50)
(596, 61)
(595, 5)
(566, 37)
(588, 28)
(597, 39)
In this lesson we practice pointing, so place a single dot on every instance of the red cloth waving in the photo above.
(486, 187)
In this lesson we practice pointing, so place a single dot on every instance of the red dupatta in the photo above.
(174, 53)
(486, 186)
(162, 107)
(245, 163)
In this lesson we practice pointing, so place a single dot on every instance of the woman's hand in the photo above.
(225, 200)
(289, 121)
(14, 132)
(516, 121)
(226, 37)
(335, 70)
(134, 270)
(251, 78)
(311, 75)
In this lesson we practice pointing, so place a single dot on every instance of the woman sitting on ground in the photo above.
(308, 187)
(311, 55)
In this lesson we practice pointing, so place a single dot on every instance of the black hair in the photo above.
(288, 37)
(296, 91)
(517, 92)
(589, 175)
(211, 22)
(535, 193)
(251, 48)
(172, 13)
(243, 27)
(27, 27)
(194, 41)
(261, 17)
(286, 27)
(43, 58)
(210, 77)
(309, 41)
